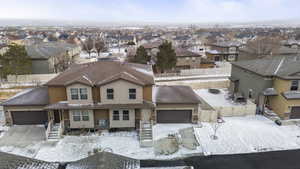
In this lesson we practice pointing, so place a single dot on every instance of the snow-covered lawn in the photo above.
(236, 135)
(163, 130)
(248, 134)
(2, 122)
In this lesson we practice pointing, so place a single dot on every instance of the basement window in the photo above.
(295, 85)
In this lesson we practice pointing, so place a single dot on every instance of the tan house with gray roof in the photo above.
(103, 95)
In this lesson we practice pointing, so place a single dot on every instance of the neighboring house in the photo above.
(44, 55)
(102, 95)
(105, 160)
(187, 59)
(270, 83)
(249, 54)
(10, 161)
(223, 51)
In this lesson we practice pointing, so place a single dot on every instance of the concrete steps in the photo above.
(146, 134)
(54, 134)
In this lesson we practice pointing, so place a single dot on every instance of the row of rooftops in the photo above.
(283, 67)
(161, 95)
(102, 160)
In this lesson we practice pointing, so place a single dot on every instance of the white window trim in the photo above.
(79, 93)
(81, 112)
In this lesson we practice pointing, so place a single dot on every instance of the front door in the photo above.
(56, 116)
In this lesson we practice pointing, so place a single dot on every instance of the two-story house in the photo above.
(103, 95)
(273, 84)
(223, 51)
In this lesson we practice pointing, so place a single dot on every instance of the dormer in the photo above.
(79, 91)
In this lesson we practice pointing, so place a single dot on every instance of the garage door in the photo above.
(295, 113)
(29, 117)
(174, 116)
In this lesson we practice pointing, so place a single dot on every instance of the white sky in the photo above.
(152, 10)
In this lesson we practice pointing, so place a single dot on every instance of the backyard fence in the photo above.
(32, 78)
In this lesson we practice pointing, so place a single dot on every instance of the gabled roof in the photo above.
(105, 160)
(284, 67)
(175, 94)
(48, 49)
(10, 161)
(121, 76)
(29, 97)
(180, 52)
(101, 72)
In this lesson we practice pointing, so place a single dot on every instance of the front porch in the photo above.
(68, 117)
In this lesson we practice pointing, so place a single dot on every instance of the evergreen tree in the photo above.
(15, 61)
(166, 57)
(141, 56)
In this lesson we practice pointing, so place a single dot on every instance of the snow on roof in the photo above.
(148, 72)
(216, 100)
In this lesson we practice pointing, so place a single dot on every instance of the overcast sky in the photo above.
(151, 10)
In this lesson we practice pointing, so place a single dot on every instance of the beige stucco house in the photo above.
(103, 95)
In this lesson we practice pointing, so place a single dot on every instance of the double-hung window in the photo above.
(295, 85)
(74, 94)
(76, 115)
(80, 115)
(85, 115)
(116, 115)
(79, 93)
(83, 93)
(110, 94)
(125, 115)
(132, 94)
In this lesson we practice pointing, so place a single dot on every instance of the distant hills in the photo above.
(23, 22)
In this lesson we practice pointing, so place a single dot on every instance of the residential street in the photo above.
(266, 160)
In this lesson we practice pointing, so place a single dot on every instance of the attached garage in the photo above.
(176, 104)
(29, 117)
(174, 116)
(27, 107)
(295, 113)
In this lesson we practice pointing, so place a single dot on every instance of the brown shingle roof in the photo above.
(180, 52)
(176, 94)
(103, 71)
(10, 161)
(29, 97)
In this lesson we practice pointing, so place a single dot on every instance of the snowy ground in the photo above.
(219, 99)
(248, 134)
(162, 130)
(2, 122)
(236, 135)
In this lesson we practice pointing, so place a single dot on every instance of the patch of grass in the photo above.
(6, 95)
(20, 87)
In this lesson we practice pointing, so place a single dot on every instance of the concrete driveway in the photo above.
(22, 136)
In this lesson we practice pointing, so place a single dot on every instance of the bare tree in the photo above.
(262, 47)
(100, 45)
(88, 45)
(62, 62)
(215, 125)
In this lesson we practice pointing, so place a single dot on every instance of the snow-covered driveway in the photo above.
(248, 134)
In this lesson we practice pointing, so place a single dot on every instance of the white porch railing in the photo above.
(49, 127)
